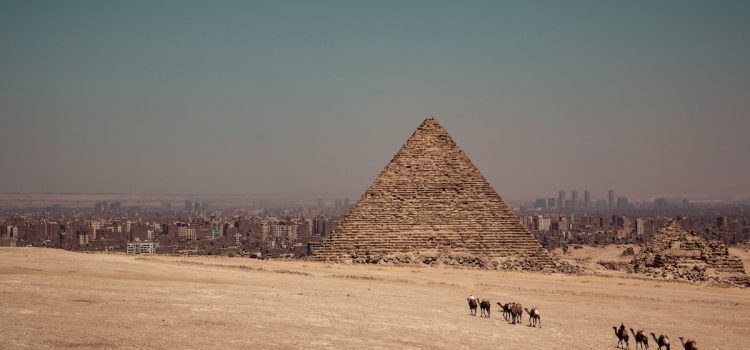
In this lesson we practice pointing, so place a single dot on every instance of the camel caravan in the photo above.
(641, 340)
(513, 314)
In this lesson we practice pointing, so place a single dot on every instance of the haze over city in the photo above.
(313, 98)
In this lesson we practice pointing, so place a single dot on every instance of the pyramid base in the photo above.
(452, 259)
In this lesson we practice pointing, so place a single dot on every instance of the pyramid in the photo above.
(431, 198)
(676, 253)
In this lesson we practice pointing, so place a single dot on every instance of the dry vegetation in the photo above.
(55, 299)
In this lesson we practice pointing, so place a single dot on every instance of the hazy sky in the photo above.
(315, 97)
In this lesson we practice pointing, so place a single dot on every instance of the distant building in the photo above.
(622, 203)
(313, 246)
(722, 222)
(586, 200)
(186, 232)
(574, 199)
(540, 203)
(611, 200)
(141, 248)
(101, 207)
(215, 233)
(551, 203)
(95, 225)
(640, 227)
(560, 199)
(540, 223)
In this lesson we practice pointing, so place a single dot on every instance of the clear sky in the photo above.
(314, 97)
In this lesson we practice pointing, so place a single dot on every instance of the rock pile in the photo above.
(431, 198)
(674, 253)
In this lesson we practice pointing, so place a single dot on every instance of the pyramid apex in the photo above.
(430, 121)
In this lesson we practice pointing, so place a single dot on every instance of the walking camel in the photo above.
(472, 306)
(534, 317)
(689, 345)
(506, 310)
(485, 305)
(623, 337)
(662, 341)
(640, 339)
(516, 313)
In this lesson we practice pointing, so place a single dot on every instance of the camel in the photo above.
(506, 310)
(662, 341)
(623, 337)
(690, 344)
(534, 317)
(640, 339)
(516, 313)
(472, 306)
(485, 305)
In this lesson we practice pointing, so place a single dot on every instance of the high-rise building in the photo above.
(540, 223)
(540, 203)
(101, 207)
(611, 199)
(722, 222)
(188, 205)
(551, 203)
(561, 199)
(622, 203)
(95, 225)
(574, 199)
(640, 227)
(586, 200)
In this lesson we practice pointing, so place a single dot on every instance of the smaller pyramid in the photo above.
(675, 253)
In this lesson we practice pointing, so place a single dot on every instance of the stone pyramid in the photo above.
(431, 198)
(675, 253)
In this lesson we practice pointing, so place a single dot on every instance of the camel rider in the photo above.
(472, 297)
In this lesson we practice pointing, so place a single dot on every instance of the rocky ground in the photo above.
(51, 299)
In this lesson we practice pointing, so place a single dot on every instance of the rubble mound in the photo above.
(674, 253)
(467, 260)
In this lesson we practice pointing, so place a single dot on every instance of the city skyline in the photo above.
(302, 99)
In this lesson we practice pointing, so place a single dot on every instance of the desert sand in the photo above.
(51, 299)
